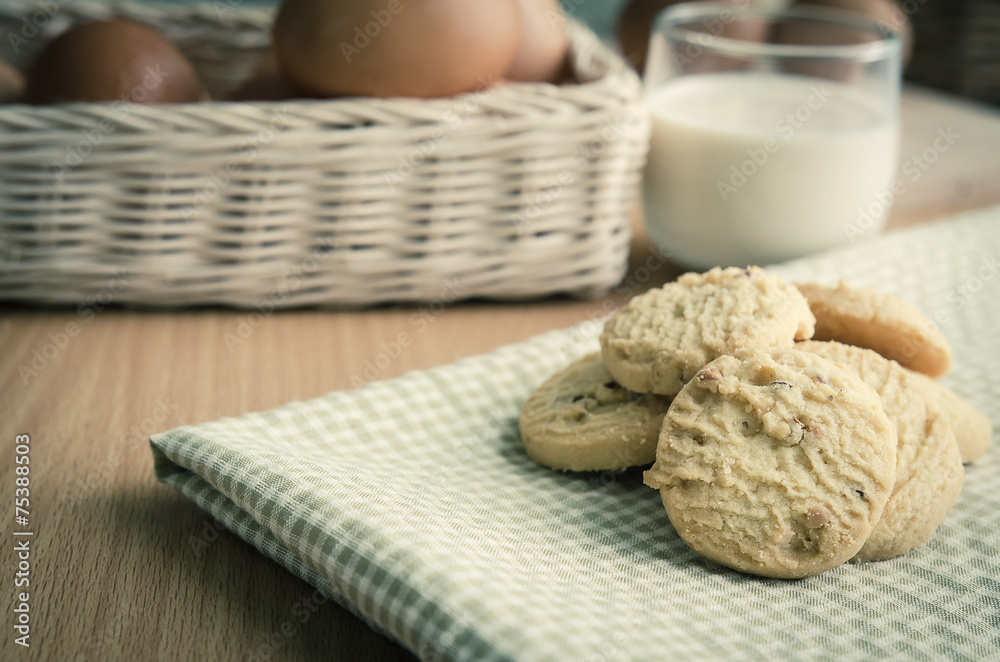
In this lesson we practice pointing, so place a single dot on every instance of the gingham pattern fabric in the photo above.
(411, 502)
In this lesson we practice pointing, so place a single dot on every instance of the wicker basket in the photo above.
(515, 192)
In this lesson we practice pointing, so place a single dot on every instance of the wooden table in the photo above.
(125, 568)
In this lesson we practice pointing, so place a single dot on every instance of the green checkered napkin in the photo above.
(411, 502)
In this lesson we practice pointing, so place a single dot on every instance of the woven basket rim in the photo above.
(515, 90)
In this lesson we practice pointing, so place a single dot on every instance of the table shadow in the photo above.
(241, 605)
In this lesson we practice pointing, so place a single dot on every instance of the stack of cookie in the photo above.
(790, 428)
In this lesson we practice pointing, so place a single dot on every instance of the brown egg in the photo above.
(886, 12)
(541, 50)
(11, 84)
(414, 48)
(635, 26)
(115, 60)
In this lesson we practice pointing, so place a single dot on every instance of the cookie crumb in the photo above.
(817, 516)
(709, 375)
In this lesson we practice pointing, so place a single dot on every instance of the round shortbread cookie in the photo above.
(661, 338)
(929, 471)
(581, 419)
(775, 462)
(973, 430)
(881, 322)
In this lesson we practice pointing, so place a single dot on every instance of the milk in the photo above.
(752, 168)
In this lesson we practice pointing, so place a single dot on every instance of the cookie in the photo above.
(881, 322)
(661, 338)
(581, 419)
(973, 430)
(775, 462)
(929, 471)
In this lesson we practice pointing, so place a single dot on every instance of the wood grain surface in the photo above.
(123, 568)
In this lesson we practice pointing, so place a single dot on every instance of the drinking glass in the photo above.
(775, 133)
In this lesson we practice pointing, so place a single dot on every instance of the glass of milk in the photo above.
(775, 132)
